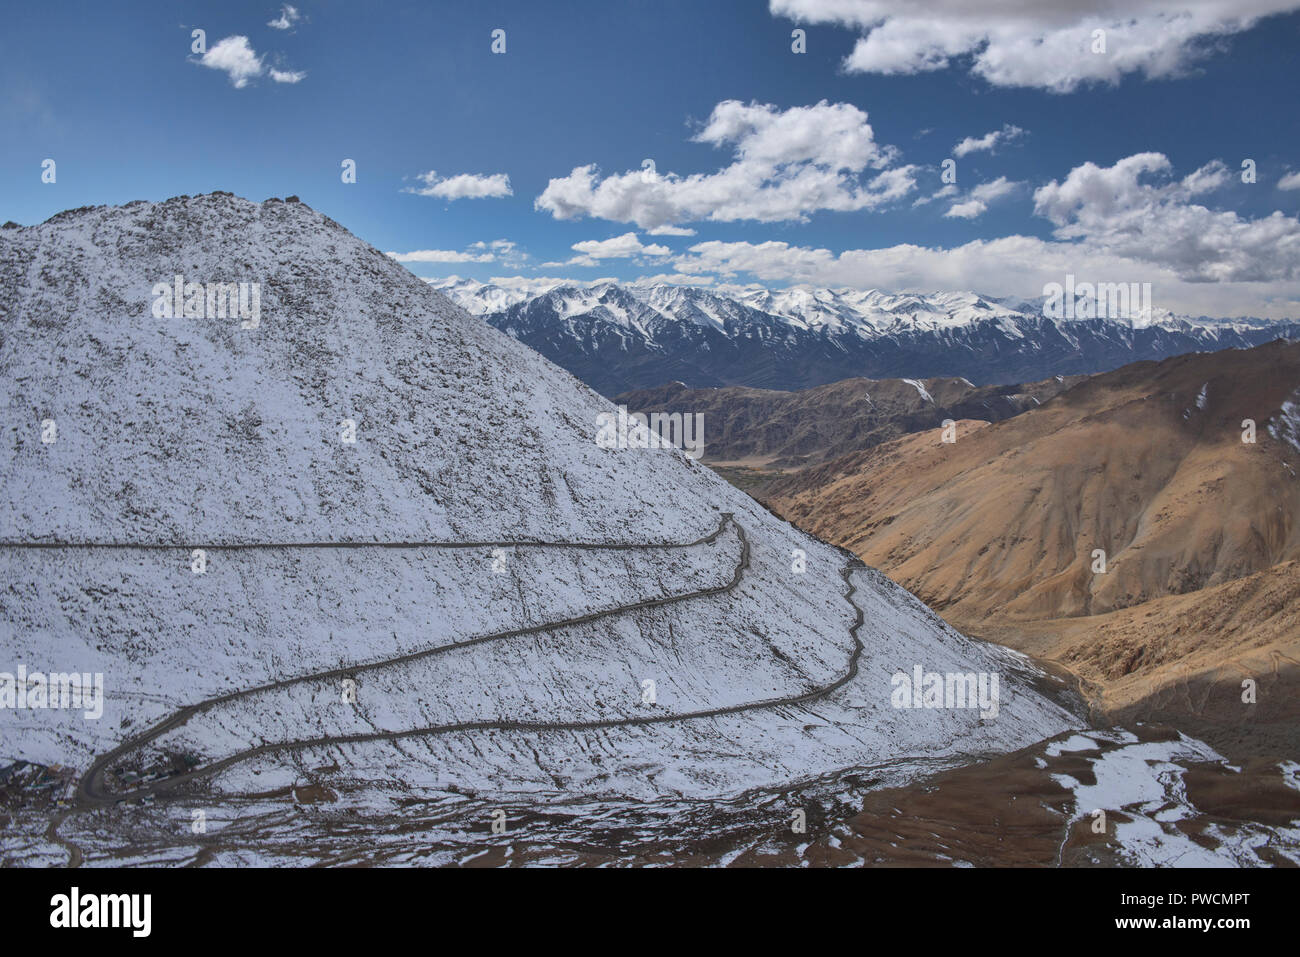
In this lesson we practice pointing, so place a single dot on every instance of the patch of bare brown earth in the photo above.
(1011, 810)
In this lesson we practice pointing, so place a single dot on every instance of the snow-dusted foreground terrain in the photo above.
(472, 604)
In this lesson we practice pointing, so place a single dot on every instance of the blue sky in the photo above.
(821, 167)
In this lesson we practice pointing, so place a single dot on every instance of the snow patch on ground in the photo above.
(920, 388)
(1285, 426)
(1140, 788)
(1077, 742)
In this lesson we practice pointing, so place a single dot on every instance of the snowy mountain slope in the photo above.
(184, 432)
(618, 338)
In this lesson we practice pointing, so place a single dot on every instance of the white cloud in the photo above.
(542, 282)
(237, 59)
(524, 282)
(1289, 181)
(977, 201)
(505, 251)
(1117, 210)
(969, 209)
(496, 245)
(1111, 225)
(1010, 266)
(943, 193)
(672, 279)
(671, 231)
(787, 164)
(994, 189)
(235, 56)
(988, 141)
(464, 186)
(1034, 43)
(442, 256)
(289, 16)
(619, 247)
(538, 285)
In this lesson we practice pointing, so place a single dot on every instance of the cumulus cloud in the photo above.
(463, 186)
(541, 283)
(505, 251)
(505, 246)
(442, 256)
(619, 247)
(1035, 43)
(942, 193)
(977, 201)
(1289, 181)
(288, 17)
(987, 142)
(592, 251)
(1011, 266)
(1131, 222)
(236, 58)
(673, 279)
(1136, 209)
(787, 164)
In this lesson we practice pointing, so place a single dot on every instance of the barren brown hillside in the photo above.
(1005, 520)
(770, 428)
(1183, 659)
(998, 530)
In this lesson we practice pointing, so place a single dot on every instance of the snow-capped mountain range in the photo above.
(617, 337)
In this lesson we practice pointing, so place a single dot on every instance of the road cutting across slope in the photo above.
(533, 726)
(92, 789)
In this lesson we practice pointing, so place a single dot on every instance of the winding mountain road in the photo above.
(92, 789)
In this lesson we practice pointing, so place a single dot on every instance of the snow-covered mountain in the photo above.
(352, 542)
(621, 337)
